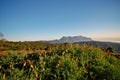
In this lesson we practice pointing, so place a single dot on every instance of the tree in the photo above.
(109, 49)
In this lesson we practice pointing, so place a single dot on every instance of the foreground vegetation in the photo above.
(61, 62)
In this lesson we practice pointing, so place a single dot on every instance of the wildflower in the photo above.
(26, 55)
(63, 53)
(29, 61)
(77, 67)
(72, 59)
(43, 69)
(66, 50)
(76, 59)
(99, 57)
(69, 54)
(57, 65)
(44, 62)
(59, 61)
(24, 63)
(0, 66)
(32, 66)
(43, 52)
(40, 78)
(11, 66)
(36, 74)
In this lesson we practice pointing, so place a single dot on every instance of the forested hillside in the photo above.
(105, 45)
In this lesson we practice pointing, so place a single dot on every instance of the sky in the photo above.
(31, 20)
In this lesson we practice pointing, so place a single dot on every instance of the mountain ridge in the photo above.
(70, 39)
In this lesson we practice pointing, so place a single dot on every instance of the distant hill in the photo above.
(105, 45)
(71, 39)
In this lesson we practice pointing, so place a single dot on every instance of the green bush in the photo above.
(71, 62)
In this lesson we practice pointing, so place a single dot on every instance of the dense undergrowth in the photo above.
(68, 62)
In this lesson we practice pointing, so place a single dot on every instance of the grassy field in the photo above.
(66, 62)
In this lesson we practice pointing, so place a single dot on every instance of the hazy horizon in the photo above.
(33, 20)
(101, 40)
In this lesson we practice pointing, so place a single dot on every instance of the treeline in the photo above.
(40, 45)
(28, 45)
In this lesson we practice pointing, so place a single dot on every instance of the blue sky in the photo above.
(23, 20)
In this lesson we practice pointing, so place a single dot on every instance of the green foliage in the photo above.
(63, 62)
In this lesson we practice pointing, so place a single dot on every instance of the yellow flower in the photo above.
(31, 66)
(57, 65)
(44, 62)
(43, 69)
(36, 74)
(24, 63)
(66, 50)
(63, 53)
(40, 78)
(11, 66)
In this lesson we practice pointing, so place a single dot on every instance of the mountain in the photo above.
(71, 39)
